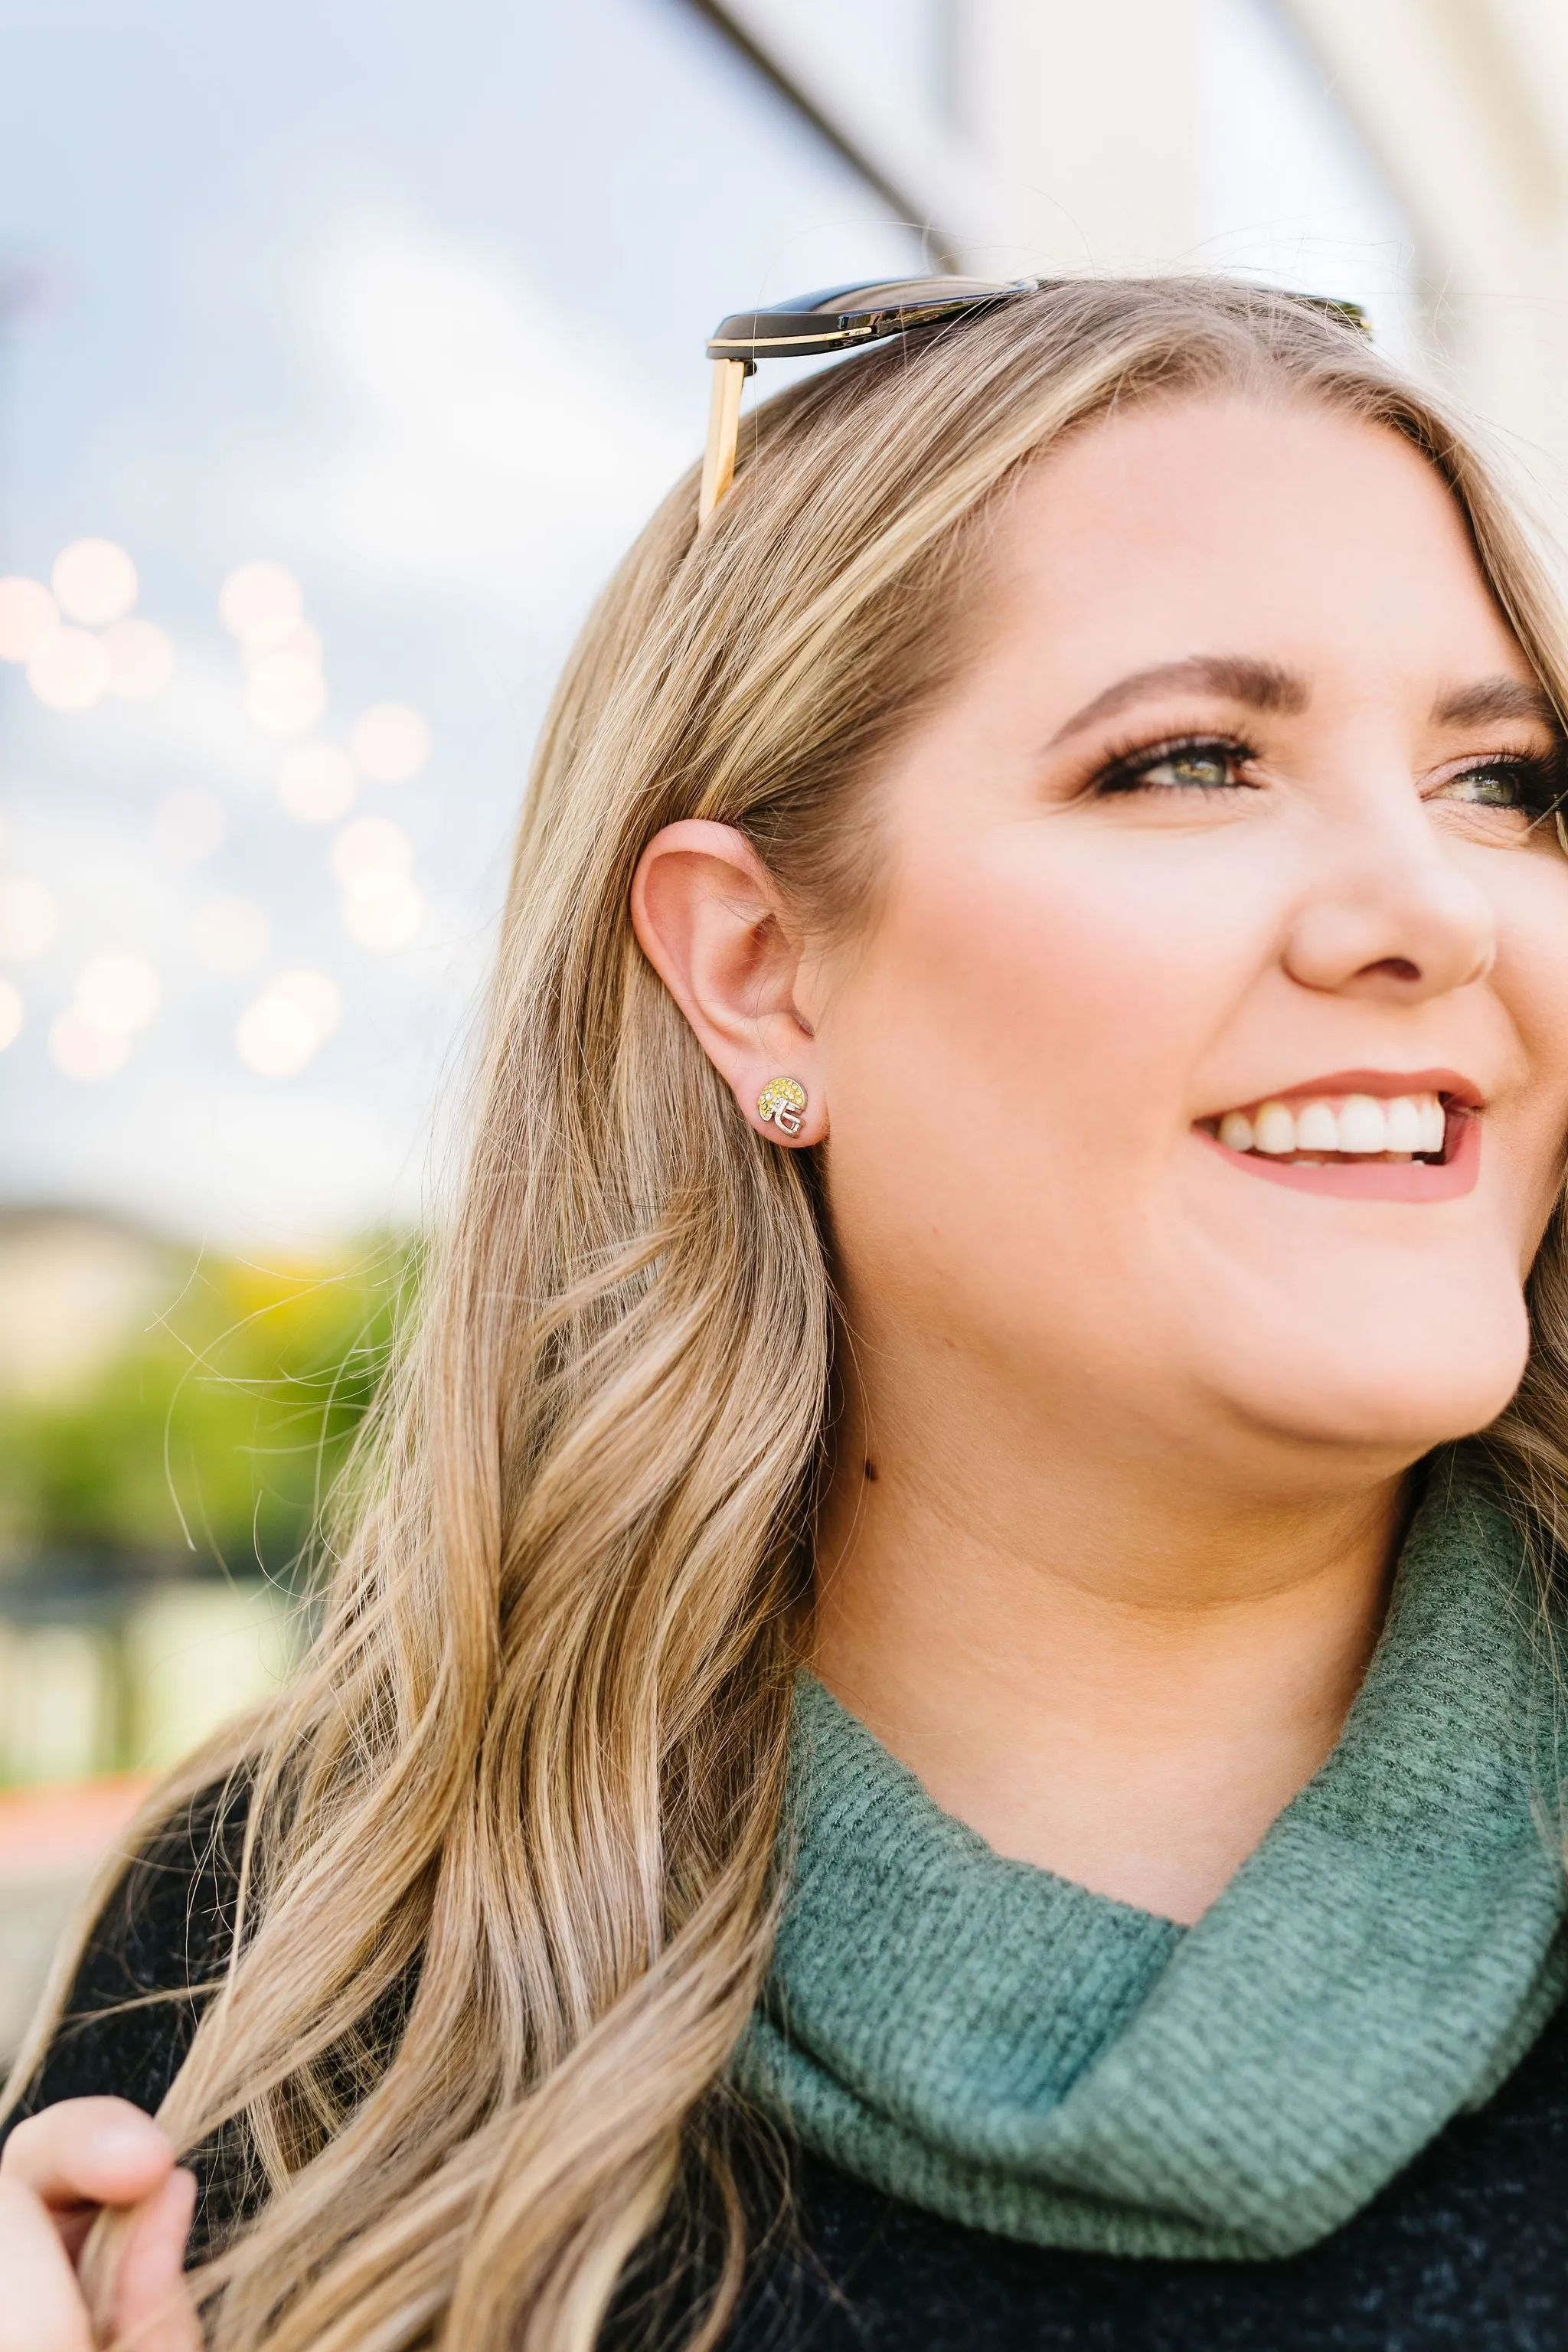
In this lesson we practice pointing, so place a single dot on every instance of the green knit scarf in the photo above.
(995, 2043)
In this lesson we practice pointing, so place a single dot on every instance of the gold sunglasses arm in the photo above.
(723, 433)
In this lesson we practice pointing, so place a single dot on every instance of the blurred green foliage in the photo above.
(214, 1428)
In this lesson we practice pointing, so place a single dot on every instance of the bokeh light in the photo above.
(283, 1028)
(381, 907)
(275, 1038)
(189, 824)
(69, 669)
(315, 991)
(12, 1012)
(29, 917)
(299, 638)
(140, 660)
(84, 1052)
(230, 934)
(383, 911)
(28, 613)
(117, 993)
(317, 782)
(284, 693)
(372, 844)
(94, 581)
(258, 601)
(391, 742)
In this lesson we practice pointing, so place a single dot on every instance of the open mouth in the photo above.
(1320, 1128)
(1363, 1136)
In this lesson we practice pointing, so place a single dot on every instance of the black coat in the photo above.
(1466, 2249)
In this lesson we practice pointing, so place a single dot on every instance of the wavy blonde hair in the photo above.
(524, 1798)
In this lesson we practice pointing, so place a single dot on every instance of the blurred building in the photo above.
(1414, 151)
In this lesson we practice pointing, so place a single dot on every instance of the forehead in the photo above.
(1286, 529)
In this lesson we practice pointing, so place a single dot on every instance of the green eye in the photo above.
(1207, 770)
(1486, 788)
(1193, 766)
(1530, 787)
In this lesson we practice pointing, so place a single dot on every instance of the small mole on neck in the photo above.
(871, 1471)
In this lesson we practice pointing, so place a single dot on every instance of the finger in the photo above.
(151, 2309)
(41, 2309)
(88, 2152)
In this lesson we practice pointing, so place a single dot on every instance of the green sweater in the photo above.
(995, 2043)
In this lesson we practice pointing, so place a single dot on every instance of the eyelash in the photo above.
(1125, 772)
(1541, 776)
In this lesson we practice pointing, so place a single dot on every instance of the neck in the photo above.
(1119, 1677)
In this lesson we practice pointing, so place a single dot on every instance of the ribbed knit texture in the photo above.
(992, 2043)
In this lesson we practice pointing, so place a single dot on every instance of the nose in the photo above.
(1396, 919)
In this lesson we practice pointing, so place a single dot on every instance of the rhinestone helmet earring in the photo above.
(781, 1100)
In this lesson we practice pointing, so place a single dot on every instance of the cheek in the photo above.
(1015, 1054)
(1049, 992)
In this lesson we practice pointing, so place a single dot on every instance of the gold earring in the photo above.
(781, 1100)
(1562, 828)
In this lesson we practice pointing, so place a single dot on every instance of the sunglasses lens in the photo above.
(841, 318)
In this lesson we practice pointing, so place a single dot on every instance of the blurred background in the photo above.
(343, 344)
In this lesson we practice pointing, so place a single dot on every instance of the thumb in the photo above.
(152, 2311)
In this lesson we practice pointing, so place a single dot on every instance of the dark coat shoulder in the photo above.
(160, 1942)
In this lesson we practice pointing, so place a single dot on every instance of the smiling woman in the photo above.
(931, 1723)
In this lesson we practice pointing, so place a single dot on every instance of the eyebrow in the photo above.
(1265, 686)
(1258, 684)
(1493, 698)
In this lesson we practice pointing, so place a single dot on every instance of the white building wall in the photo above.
(1419, 160)
(1090, 115)
(1101, 121)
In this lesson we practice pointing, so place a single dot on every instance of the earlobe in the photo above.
(717, 929)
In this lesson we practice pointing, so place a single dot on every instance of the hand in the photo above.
(58, 2168)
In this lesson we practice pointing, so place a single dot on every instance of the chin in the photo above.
(1388, 1397)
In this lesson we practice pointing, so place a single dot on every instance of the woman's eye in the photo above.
(1178, 767)
(1531, 786)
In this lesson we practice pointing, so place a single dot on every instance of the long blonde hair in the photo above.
(524, 1798)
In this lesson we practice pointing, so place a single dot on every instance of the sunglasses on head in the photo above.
(843, 318)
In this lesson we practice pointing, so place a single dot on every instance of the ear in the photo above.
(715, 926)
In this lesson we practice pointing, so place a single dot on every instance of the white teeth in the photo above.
(1274, 1129)
(1363, 1127)
(1407, 1127)
(1317, 1128)
(1366, 1126)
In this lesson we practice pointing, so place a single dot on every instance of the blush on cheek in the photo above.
(1035, 971)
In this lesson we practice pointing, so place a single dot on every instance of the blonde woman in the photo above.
(935, 1721)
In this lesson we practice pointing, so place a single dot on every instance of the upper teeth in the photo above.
(1357, 1123)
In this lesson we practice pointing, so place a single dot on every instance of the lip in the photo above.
(1387, 1180)
(1460, 1093)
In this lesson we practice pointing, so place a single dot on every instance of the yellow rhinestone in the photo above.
(781, 1094)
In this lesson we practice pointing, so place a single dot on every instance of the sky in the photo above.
(408, 301)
